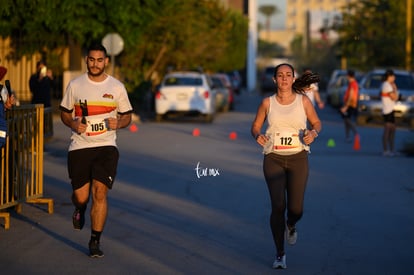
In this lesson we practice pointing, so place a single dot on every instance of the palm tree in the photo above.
(268, 11)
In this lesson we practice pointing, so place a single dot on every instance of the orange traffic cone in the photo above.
(196, 132)
(357, 143)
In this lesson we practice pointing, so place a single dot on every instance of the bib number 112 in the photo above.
(286, 141)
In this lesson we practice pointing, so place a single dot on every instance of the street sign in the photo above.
(113, 43)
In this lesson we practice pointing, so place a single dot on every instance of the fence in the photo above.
(21, 164)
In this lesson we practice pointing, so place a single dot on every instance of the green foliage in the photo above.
(373, 33)
(269, 49)
(157, 34)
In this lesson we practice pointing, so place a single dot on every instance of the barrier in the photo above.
(22, 159)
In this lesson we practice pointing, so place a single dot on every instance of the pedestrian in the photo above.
(7, 96)
(40, 84)
(286, 147)
(350, 108)
(389, 96)
(7, 101)
(94, 106)
(313, 92)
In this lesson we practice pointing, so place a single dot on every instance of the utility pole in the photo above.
(252, 46)
(408, 36)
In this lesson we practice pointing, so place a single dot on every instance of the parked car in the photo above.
(370, 105)
(236, 81)
(186, 93)
(337, 86)
(266, 80)
(224, 95)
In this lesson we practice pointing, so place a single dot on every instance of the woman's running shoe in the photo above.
(291, 235)
(280, 262)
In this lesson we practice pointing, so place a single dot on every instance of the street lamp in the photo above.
(408, 36)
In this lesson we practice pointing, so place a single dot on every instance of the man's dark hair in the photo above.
(97, 47)
(351, 73)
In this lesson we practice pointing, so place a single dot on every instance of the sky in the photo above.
(277, 21)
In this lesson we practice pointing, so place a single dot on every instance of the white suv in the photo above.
(186, 93)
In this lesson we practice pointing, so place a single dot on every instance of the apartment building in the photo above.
(305, 18)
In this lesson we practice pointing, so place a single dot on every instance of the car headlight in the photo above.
(410, 98)
(364, 97)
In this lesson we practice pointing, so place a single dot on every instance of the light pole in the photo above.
(408, 36)
(252, 46)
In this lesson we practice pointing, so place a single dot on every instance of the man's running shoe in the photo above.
(78, 218)
(291, 235)
(94, 250)
(280, 262)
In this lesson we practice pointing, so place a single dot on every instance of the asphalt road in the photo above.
(185, 204)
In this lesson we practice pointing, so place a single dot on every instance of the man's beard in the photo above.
(97, 71)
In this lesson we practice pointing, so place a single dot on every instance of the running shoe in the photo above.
(78, 218)
(280, 262)
(94, 250)
(291, 235)
(387, 154)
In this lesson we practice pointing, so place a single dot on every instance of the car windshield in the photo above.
(404, 82)
(183, 81)
(217, 82)
(270, 70)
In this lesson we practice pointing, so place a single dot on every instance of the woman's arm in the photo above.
(259, 120)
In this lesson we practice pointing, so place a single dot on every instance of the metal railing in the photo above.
(21, 176)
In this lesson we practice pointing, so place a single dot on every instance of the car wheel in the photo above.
(209, 118)
(225, 108)
(412, 123)
(361, 120)
(158, 118)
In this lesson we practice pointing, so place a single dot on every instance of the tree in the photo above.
(373, 34)
(268, 11)
(156, 34)
(194, 34)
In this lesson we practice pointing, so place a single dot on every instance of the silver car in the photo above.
(370, 105)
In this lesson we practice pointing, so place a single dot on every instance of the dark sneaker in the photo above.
(94, 250)
(78, 218)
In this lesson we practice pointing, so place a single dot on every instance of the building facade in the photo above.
(305, 18)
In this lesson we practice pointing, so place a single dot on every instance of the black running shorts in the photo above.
(99, 163)
(390, 117)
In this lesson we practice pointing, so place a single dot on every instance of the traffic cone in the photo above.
(133, 128)
(331, 143)
(196, 132)
(357, 144)
(233, 135)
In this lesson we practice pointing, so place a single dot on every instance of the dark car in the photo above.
(370, 104)
(224, 96)
(337, 86)
(266, 79)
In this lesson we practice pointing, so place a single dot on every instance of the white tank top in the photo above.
(387, 103)
(285, 127)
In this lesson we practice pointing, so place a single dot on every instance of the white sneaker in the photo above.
(280, 262)
(291, 235)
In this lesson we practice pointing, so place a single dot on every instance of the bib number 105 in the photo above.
(98, 127)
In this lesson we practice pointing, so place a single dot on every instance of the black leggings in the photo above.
(285, 176)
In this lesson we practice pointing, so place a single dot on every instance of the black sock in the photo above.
(96, 236)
